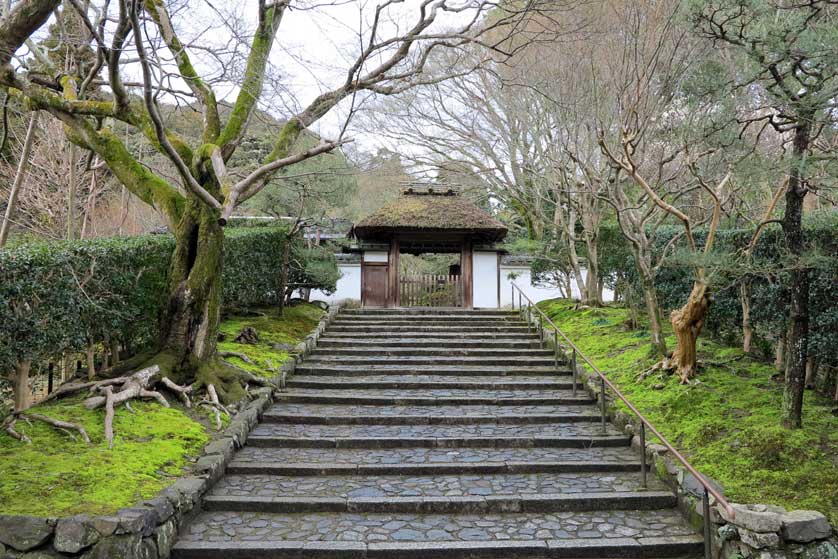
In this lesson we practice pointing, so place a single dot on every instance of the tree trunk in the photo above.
(22, 396)
(811, 371)
(20, 176)
(91, 361)
(745, 301)
(190, 325)
(798, 332)
(687, 323)
(283, 275)
(592, 280)
(780, 354)
(653, 309)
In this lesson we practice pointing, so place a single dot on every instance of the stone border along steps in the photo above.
(408, 433)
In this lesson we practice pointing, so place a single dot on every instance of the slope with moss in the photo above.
(727, 421)
(58, 475)
(277, 336)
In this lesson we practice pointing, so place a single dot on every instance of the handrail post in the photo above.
(556, 347)
(529, 317)
(541, 330)
(512, 293)
(573, 370)
(643, 453)
(602, 401)
(708, 542)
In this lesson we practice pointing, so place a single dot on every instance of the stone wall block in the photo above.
(757, 518)
(25, 532)
(805, 526)
(74, 534)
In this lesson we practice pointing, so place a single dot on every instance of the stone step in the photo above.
(391, 486)
(430, 382)
(421, 329)
(407, 351)
(429, 319)
(413, 311)
(326, 414)
(538, 492)
(352, 341)
(327, 359)
(565, 435)
(497, 493)
(432, 397)
(307, 368)
(602, 534)
(432, 461)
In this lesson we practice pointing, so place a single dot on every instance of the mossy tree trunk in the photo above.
(22, 397)
(190, 325)
(687, 323)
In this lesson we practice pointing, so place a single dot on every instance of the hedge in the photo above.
(768, 275)
(58, 297)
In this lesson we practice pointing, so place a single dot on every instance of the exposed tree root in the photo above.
(63, 426)
(237, 355)
(248, 335)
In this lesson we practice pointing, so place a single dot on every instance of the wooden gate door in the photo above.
(374, 285)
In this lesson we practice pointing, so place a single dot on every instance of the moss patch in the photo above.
(727, 423)
(297, 322)
(57, 476)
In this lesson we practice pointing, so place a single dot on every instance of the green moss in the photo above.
(297, 322)
(57, 476)
(727, 422)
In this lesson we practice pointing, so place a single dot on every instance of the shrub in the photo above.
(61, 297)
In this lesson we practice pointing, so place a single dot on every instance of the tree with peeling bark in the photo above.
(131, 37)
(788, 51)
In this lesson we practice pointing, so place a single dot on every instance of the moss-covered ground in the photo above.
(59, 476)
(274, 333)
(727, 422)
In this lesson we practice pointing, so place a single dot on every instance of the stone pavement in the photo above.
(435, 433)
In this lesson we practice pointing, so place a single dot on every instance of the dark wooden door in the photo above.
(374, 282)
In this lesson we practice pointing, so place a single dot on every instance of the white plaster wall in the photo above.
(485, 283)
(375, 256)
(524, 281)
(348, 286)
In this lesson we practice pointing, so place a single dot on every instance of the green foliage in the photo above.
(313, 267)
(727, 422)
(58, 297)
(59, 476)
(296, 323)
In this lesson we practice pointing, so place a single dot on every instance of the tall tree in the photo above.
(137, 37)
(790, 52)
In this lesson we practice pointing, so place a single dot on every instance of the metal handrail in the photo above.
(644, 423)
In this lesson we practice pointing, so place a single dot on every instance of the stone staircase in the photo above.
(439, 433)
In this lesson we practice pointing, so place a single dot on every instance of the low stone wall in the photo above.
(144, 531)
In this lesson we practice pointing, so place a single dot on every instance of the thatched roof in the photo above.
(430, 210)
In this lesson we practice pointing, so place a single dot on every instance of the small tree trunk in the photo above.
(780, 354)
(653, 309)
(687, 323)
(283, 275)
(798, 333)
(22, 396)
(115, 353)
(20, 176)
(190, 325)
(90, 352)
(811, 371)
(745, 301)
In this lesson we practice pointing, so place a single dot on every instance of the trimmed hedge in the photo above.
(58, 297)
